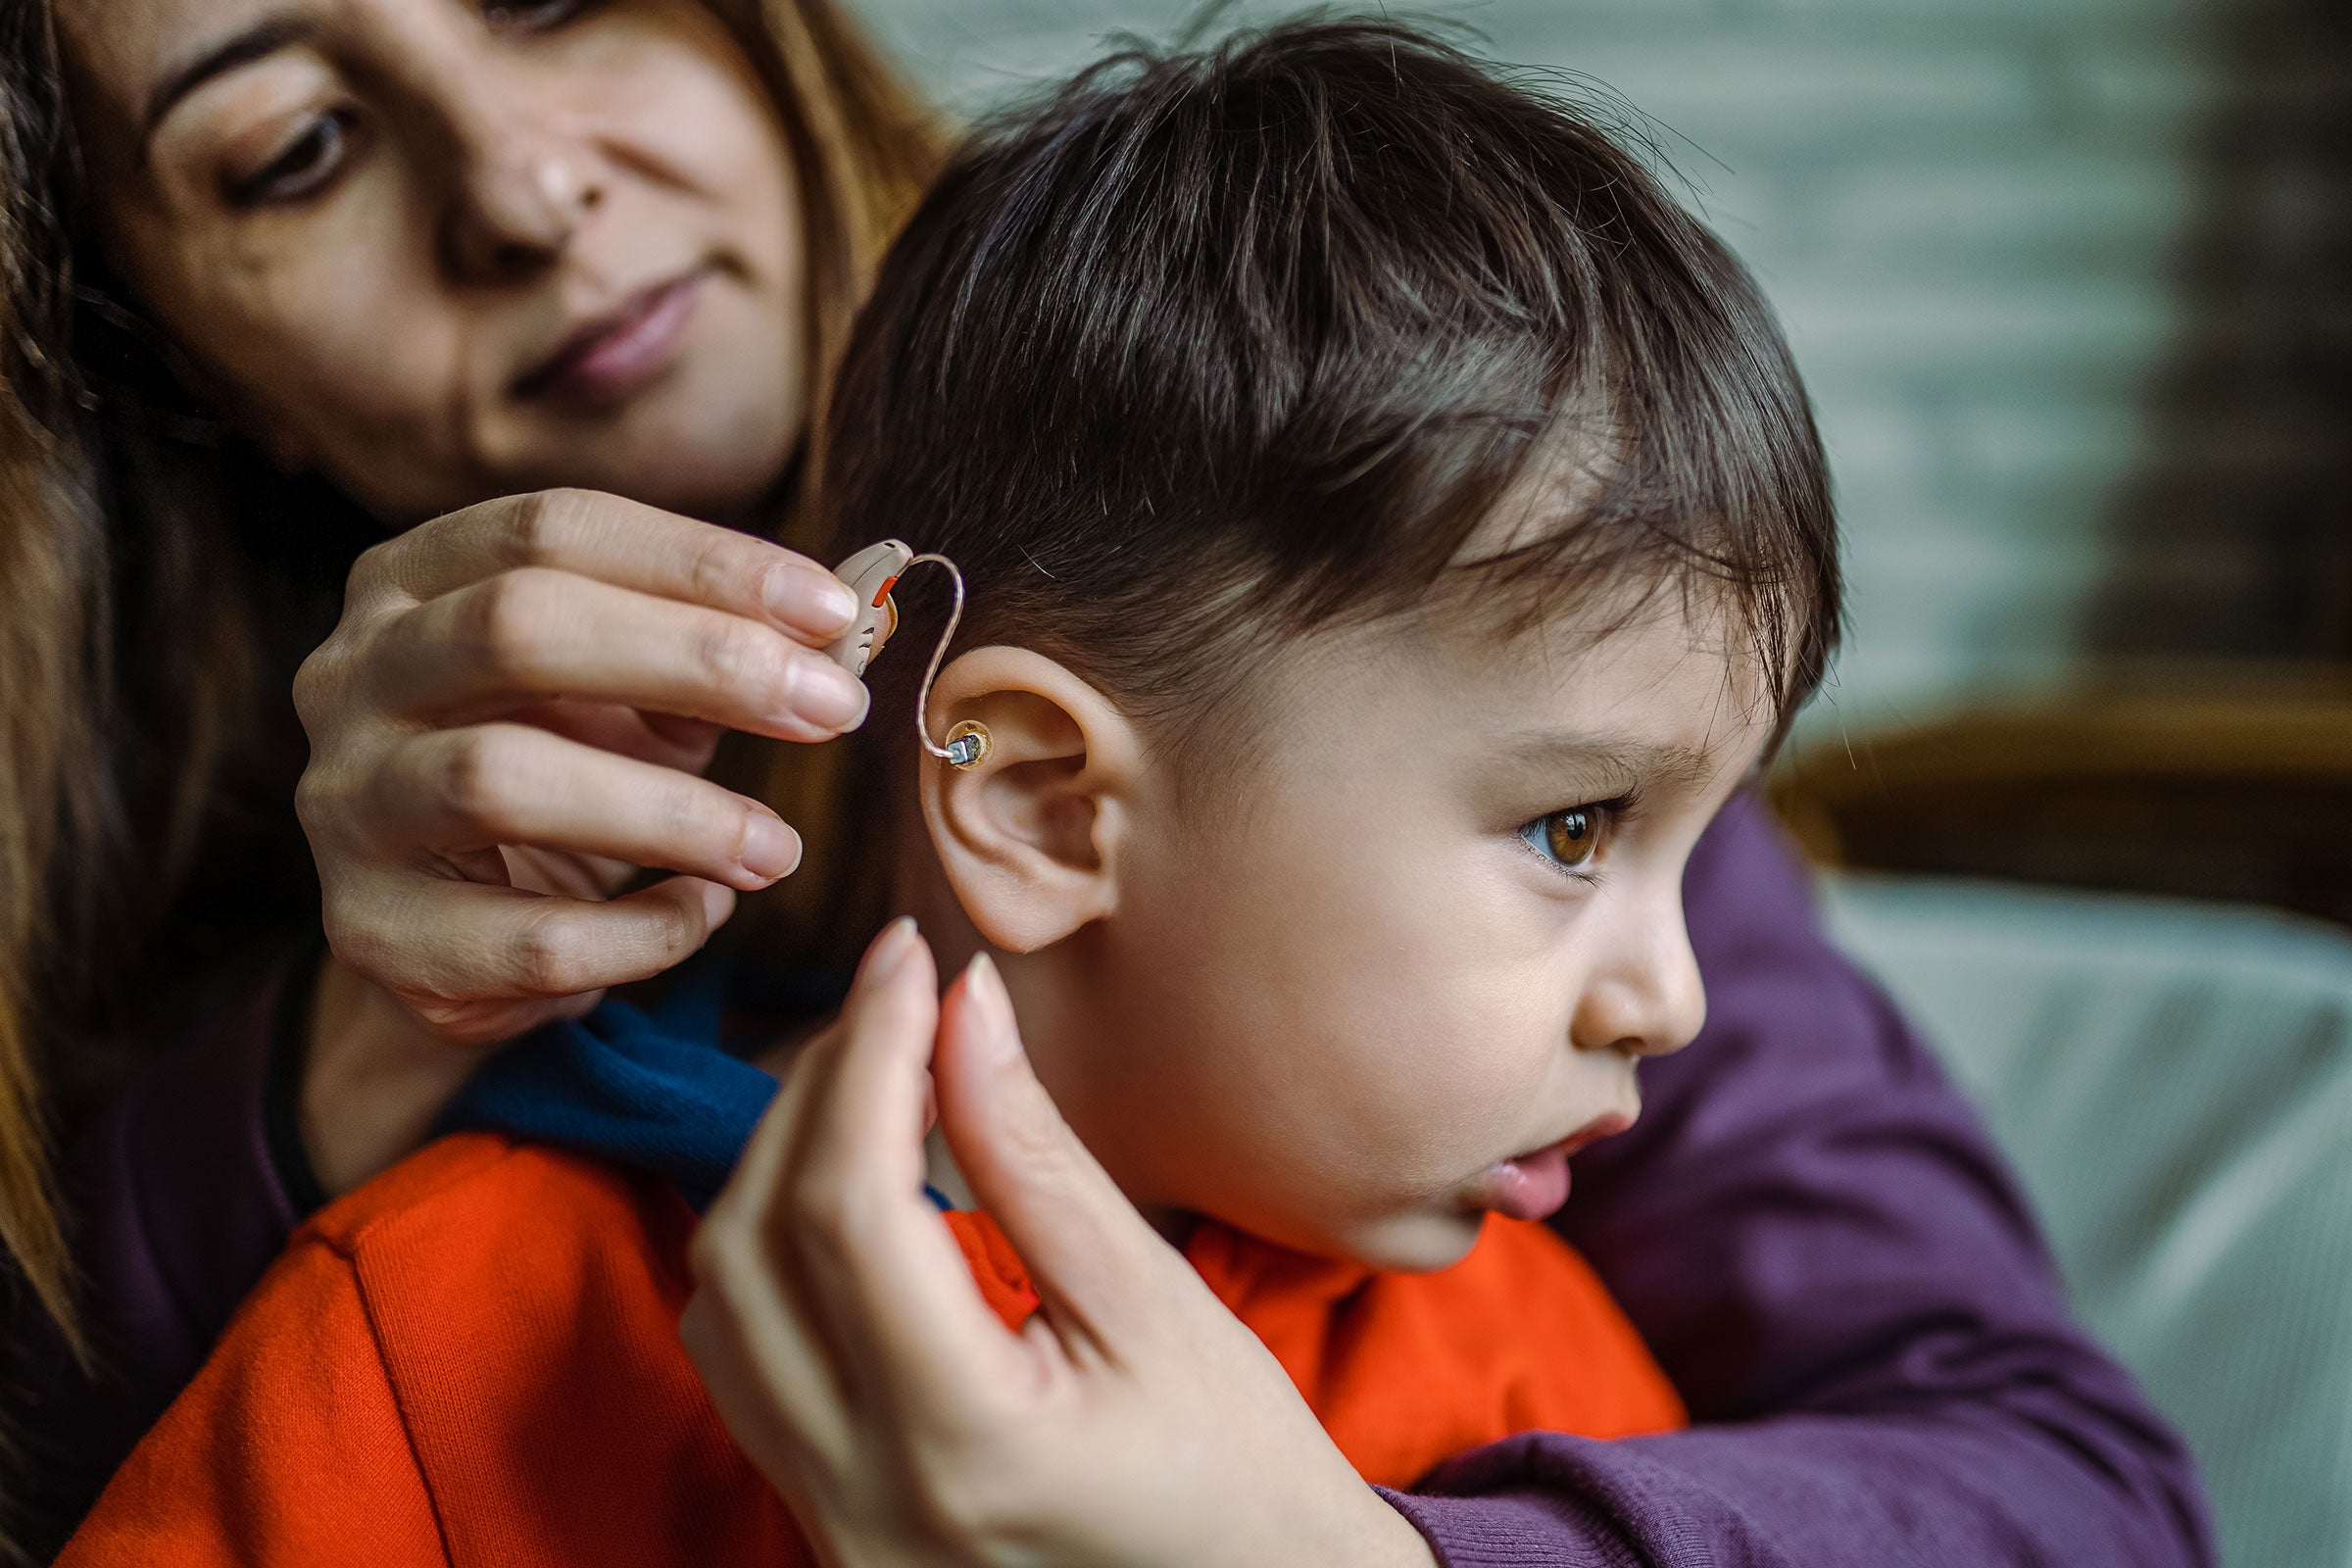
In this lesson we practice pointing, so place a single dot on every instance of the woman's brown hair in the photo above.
(158, 582)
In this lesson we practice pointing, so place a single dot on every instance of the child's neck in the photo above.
(918, 888)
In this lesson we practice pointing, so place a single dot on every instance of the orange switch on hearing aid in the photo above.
(870, 573)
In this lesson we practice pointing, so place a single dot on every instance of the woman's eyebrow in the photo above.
(263, 38)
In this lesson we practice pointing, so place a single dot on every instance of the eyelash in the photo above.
(526, 13)
(285, 178)
(1608, 819)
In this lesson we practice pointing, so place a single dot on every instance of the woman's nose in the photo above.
(1645, 996)
(521, 187)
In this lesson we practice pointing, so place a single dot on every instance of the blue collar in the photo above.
(654, 1090)
(651, 1090)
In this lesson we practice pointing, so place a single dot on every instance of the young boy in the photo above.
(1392, 530)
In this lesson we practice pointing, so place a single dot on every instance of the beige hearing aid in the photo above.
(871, 573)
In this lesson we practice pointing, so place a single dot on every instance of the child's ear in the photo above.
(1030, 835)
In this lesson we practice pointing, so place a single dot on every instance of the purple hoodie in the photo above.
(1808, 1225)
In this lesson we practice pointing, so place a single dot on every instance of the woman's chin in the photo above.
(698, 470)
(724, 489)
(691, 443)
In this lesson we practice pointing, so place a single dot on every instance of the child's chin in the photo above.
(1419, 1243)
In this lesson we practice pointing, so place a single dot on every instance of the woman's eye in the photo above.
(530, 14)
(301, 168)
(1568, 839)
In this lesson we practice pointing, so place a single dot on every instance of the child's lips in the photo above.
(1533, 1185)
(1528, 1187)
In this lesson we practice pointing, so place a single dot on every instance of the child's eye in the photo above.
(1569, 838)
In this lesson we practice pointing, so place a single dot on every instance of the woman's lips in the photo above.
(607, 358)
(1534, 1186)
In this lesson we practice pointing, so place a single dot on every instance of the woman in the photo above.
(293, 276)
(286, 280)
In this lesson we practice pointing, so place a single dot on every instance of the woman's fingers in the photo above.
(897, 1294)
(823, 1177)
(443, 946)
(620, 542)
(848, 1348)
(512, 784)
(1092, 1256)
(530, 634)
(648, 737)
(628, 631)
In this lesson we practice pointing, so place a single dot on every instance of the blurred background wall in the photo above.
(2071, 281)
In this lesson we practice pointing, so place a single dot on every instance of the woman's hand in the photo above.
(510, 720)
(511, 717)
(1134, 1421)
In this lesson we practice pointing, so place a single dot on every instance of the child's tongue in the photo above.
(1529, 1187)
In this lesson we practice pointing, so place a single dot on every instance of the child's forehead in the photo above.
(1641, 671)
(1504, 629)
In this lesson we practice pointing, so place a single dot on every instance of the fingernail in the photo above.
(718, 902)
(770, 848)
(833, 696)
(890, 949)
(999, 1035)
(815, 602)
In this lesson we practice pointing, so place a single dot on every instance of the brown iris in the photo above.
(1571, 836)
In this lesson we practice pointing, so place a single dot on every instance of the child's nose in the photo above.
(1645, 996)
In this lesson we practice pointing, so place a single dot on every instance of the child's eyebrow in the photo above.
(1662, 763)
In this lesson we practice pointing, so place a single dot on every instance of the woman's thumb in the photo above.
(1087, 1249)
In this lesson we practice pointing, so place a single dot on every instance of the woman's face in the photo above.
(442, 250)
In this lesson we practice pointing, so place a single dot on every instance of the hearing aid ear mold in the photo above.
(871, 573)
(968, 743)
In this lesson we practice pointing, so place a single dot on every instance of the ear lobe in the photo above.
(1029, 837)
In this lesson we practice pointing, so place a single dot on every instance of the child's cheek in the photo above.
(1452, 1019)
(1483, 1014)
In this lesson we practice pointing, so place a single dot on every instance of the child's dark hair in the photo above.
(1211, 347)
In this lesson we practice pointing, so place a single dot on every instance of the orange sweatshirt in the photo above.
(474, 1360)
